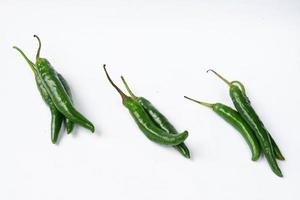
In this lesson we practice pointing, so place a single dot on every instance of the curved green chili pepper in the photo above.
(243, 106)
(56, 116)
(234, 119)
(57, 92)
(159, 119)
(69, 124)
(277, 151)
(144, 121)
(51, 85)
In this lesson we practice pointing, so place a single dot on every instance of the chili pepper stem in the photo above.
(31, 64)
(123, 95)
(128, 88)
(40, 45)
(209, 105)
(221, 77)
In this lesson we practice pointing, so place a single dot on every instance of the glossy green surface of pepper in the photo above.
(150, 129)
(57, 92)
(164, 124)
(56, 122)
(277, 151)
(243, 106)
(144, 122)
(234, 119)
(56, 116)
(59, 95)
(158, 118)
(69, 124)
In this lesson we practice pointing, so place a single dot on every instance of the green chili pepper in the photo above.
(243, 106)
(144, 122)
(56, 92)
(234, 118)
(56, 116)
(68, 122)
(159, 119)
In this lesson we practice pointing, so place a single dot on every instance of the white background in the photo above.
(163, 48)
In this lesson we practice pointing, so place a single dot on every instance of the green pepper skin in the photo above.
(144, 122)
(56, 117)
(69, 124)
(234, 118)
(58, 94)
(149, 128)
(277, 151)
(243, 106)
(56, 122)
(163, 123)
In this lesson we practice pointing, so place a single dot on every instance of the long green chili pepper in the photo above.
(159, 119)
(144, 122)
(69, 124)
(56, 116)
(243, 106)
(277, 151)
(234, 118)
(56, 93)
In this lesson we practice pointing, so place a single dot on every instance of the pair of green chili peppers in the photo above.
(151, 122)
(247, 122)
(56, 93)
